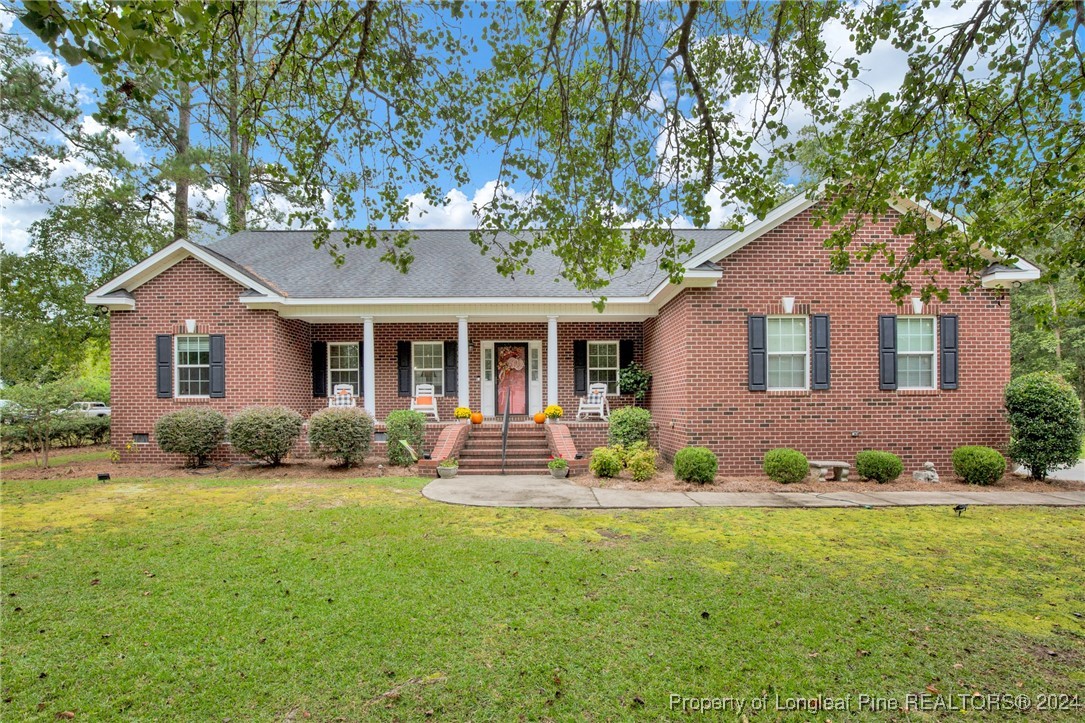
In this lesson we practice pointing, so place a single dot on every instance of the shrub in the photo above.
(404, 425)
(879, 466)
(558, 463)
(978, 465)
(695, 464)
(628, 425)
(642, 464)
(449, 462)
(193, 432)
(785, 465)
(266, 434)
(1045, 416)
(605, 462)
(635, 379)
(343, 433)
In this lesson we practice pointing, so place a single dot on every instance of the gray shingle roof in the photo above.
(446, 264)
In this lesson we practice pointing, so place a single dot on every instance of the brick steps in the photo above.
(527, 451)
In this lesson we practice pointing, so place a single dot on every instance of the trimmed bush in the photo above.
(408, 426)
(881, 467)
(194, 432)
(267, 434)
(785, 465)
(342, 433)
(628, 425)
(605, 462)
(978, 465)
(642, 464)
(695, 464)
(1045, 416)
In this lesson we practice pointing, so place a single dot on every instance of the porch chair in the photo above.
(425, 401)
(595, 402)
(342, 396)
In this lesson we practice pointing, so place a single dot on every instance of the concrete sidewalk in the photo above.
(547, 492)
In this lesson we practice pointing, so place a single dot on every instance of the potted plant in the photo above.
(553, 412)
(462, 413)
(448, 467)
(559, 467)
(540, 417)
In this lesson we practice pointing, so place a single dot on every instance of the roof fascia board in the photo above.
(784, 212)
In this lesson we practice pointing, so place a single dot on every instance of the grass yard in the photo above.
(202, 599)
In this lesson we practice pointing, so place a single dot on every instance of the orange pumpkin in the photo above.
(539, 417)
(476, 417)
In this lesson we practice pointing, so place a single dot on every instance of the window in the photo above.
(428, 359)
(193, 366)
(915, 352)
(343, 366)
(603, 364)
(787, 349)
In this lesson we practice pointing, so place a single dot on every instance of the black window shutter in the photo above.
(950, 351)
(164, 364)
(819, 337)
(451, 368)
(758, 352)
(887, 351)
(217, 347)
(626, 352)
(320, 368)
(403, 367)
(580, 367)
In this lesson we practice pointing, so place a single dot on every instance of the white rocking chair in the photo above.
(595, 403)
(425, 401)
(343, 396)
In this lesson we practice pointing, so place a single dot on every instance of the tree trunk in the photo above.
(181, 147)
(1056, 323)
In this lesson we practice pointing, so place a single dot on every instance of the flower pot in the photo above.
(540, 418)
(476, 418)
(560, 473)
(447, 472)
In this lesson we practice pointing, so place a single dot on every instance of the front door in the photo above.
(511, 378)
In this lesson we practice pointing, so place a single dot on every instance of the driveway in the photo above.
(546, 492)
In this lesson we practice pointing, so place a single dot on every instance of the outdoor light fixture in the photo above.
(788, 302)
(103, 476)
(190, 326)
(917, 305)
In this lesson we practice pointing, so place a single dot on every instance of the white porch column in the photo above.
(551, 360)
(369, 375)
(463, 364)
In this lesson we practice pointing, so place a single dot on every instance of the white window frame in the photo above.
(415, 368)
(357, 370)
(618, 369)
(933, 354)
(177, 366)
(805, 354)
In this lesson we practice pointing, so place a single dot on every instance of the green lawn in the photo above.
(58, 459)
(207, 600)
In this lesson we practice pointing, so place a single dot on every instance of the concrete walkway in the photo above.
(547, 492)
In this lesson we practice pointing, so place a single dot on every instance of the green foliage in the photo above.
(635, 379)
(266, 434)
(404, 425)
(628, 425)
(605, 462)
(342, 433)
(696, 464)
(558, 463)
(785, 465)
(1045, 417)
(978, 465)
(194, 432)
(1047, 330)
(448, 462)
(879, 466)
(34, 408)
(642, 465)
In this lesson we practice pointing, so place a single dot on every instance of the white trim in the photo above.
(618, 369)
(356, 370)
(936, 334)
(806, 354)
(551, 360)
(177, 365)
(414, 368)
(369, 368)
(1004, 279)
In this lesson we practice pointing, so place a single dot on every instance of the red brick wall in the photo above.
(740, 426)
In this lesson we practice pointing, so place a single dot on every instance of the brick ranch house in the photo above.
(760, 346)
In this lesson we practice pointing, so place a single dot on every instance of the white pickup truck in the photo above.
(93, 409)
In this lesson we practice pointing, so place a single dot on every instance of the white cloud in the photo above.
(7, 19)
(459, 211)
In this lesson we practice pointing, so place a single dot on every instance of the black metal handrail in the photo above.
(505, 430)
